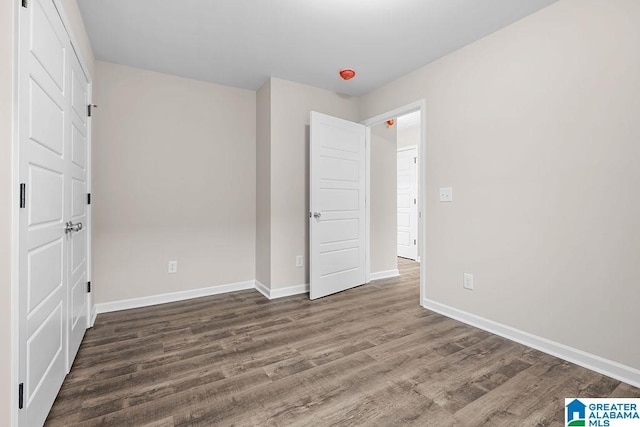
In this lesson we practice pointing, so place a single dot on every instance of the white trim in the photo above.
(281, 292)
(595, 363)
(422, 184)
(92, 317)
(367, 205)
(15, 221)
(262, 289)
(288, 291)
(407, 148)
(384, 274)
(172, 297)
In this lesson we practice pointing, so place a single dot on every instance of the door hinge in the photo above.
(415, 160)
(88, 287)
(90, 108)
(20, 395)
(25, 3)
(88, 198)
(414, 201)
(414, 241)
(23, 196)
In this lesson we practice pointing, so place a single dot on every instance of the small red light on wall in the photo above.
(390, 122)
(347, 73)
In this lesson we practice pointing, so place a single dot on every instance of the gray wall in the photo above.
(384, 198)
(263, 184)
(173, 179)
(291, 105)
(536, 129)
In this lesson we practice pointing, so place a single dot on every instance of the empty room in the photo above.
(319, 212)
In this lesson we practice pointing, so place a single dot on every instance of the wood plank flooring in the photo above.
(367, 356)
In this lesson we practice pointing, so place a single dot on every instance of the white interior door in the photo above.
(408, 202)
(78, 164)
(337, 202)
(51, 180)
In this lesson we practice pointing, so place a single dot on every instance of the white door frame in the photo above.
(15, 202)
(381, 118)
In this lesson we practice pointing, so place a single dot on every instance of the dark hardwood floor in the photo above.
(367, 356)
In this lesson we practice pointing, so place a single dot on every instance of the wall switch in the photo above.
(446, 194)
(173, 267)
(299, 261)
(467, 281)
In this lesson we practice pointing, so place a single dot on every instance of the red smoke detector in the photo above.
(390, 122)
(347, 73)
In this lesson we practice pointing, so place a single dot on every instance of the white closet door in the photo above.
(52, 147)
(408, 203)
(78, 164)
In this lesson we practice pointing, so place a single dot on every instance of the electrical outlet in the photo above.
(467, 281)
(299, 261)
(173, 267)
(446, 194)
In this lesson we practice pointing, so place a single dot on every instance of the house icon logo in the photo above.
(576, 413)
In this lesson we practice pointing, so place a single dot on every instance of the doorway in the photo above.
(416, 112)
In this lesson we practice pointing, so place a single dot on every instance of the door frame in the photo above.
(15, 202)
(422, 144)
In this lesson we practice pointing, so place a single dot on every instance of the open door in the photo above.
(337, 202)
(408, 203)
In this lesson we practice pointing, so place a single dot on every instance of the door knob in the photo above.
(70, 226)
(317, 215)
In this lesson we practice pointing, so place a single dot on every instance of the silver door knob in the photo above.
(317, 215)
(70, 226)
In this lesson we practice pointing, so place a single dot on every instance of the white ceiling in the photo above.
(242, 42)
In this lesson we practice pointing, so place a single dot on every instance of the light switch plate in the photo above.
(446, 194)
(299, 261)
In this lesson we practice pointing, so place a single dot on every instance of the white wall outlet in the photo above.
(446, 194)
(173, 267)
(299, 261)
(467, 281)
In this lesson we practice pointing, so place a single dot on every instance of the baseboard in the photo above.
(172, 297)
(289, 291)
(384, 274)
(281, 292)
(94, 313)
(595, 363)
(262, 289)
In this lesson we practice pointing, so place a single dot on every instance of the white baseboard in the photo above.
(172, 297)
(281, 292)
(94, 313)
(599, 364)
(262, 289)
(384, 274)
(289, 291)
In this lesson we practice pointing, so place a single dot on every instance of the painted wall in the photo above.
(291, 105)
(8, 386)
(263, 184)
(174, 179)
(79, 33)
(536, 129)
(408, 136)
(384, 198)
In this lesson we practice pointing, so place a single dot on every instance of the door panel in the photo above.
(78, 177)
(48, 304)
(337, 180)
(407, 203)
